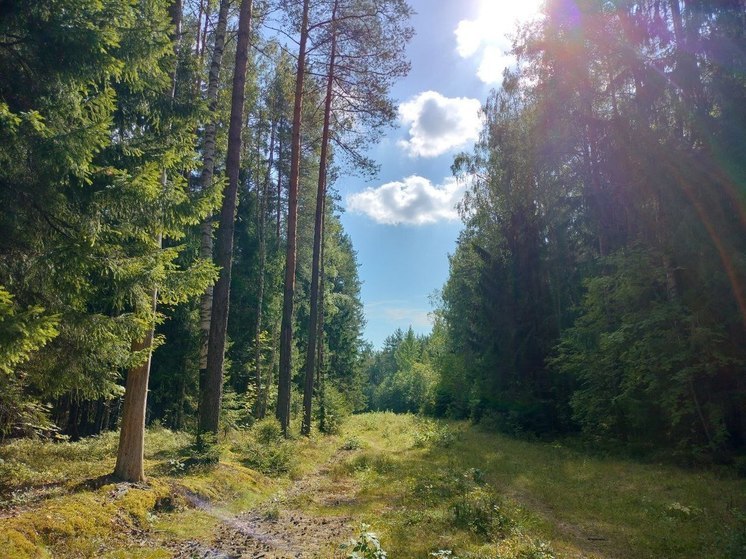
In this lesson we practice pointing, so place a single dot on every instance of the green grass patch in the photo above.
(59, 502)
(426, 488)
(445, 487)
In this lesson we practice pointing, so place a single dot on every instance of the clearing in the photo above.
(426, 488)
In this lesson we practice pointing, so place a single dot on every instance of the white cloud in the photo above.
(438, 124)
(487, 36)
(412, 201)
(469, 37)
(400, 314)
(417, 318)
(494, 61)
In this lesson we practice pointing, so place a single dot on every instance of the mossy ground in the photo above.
(422, 485)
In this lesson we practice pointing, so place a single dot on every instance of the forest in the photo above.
(181, 313)
(598, 285)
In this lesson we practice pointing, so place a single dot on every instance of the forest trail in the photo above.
(280, 528)
(423, 486)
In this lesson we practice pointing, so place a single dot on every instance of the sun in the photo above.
(509, 11)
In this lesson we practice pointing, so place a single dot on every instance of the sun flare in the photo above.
(488, 35)
(508, 11)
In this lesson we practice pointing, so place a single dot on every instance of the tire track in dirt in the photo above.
(279, 529)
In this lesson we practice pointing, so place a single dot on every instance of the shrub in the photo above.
(203, 452)
(367, 545)
(267, 451)
(267, 431)
(353, 443)
(332, 409)
(434, 433)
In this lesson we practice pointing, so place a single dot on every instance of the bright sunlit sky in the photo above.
(404, 223)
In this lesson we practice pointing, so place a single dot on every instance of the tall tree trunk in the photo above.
(317, 235)
(320, 343)
(73, 417)
(208, 167)
(286, 330)
(262, 224)
(129, 465)
(178, 423)
(130, 454)
(209, 413)
(99, 421)
(278, 233)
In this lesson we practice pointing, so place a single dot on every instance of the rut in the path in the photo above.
(279, 531)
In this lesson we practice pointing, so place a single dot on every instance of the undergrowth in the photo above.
(445, 489)
(267, 450)
(430, 488)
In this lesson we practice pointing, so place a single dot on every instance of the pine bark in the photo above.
(208, 168)
(320, 336)
(262, 226)
(130, 455)
(286, 330)
(317, 240)
(209, 415)
(278, 233)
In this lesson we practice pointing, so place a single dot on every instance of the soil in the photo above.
(279, 529)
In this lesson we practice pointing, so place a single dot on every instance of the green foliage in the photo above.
(203, 452)
(335, 407)
(94, 160)
(367, 545)
(597, 282)
(267, 450)
(267, 431)
(641, 362)
(237, 408)
(353, 443)
(22, 332)
(434, 433)
(402, 376)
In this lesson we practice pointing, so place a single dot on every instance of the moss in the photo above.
(84, 523)
(186, 525)
(74, 523)
(138, 502)
(16, 545)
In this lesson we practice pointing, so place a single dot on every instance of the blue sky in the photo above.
(404, 224)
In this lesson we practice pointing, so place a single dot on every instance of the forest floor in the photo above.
(426, 488)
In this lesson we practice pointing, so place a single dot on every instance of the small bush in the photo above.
(332, 410)
(367, 545)
(353, 443)
(434, 433)
(267, 451)
(203, 452)
(267, 431)
(537, 550)
(270, 459)
(479, 512)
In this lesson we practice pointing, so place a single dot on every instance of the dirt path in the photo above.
(280, 529)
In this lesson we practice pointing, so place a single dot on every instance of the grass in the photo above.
(425, 487)
(56, 501)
